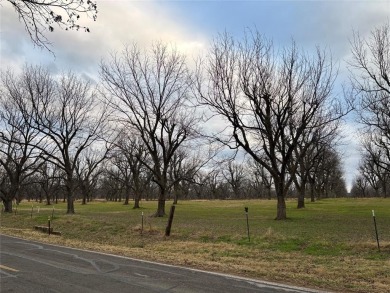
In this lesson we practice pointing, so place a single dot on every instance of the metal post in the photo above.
(142, 223)
(376, 230)
(48, 222)
(247, 223)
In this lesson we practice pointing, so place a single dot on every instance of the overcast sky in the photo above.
(191, 25)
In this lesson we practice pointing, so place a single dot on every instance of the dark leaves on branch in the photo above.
(58, 18)
(39, 16)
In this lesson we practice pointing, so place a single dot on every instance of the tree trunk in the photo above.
(70, 196)
(384, 187)
(161, 203)
(281, 209)
(127, 197)
(48, 202)
(269, 193)
(281, 213)
(7, 205)
(161, 207)
(312, 195)
(84, 201)
(301, 196)
(70, 205)
(175, 193)
(136, 200)
(301, 199)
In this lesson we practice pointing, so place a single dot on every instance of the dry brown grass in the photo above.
(200, 240)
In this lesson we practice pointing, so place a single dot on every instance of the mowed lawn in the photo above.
(329, 245)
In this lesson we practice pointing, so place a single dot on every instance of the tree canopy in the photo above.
(40, 16)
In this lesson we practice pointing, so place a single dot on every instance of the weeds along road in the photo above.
(27, 266)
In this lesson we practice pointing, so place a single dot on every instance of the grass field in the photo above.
(328, 245)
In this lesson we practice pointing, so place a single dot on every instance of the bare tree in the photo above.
(370, 79)
(371, 166)
(362, 185)
(48, 178)
(149, 90)
(66, 112)
(315, 143)
(40, 16)
(268, 101)
(130, 157)
(234, 176)
(327, 175)
(184, 168)
(88, 169)
(261, 177)
(19, 158)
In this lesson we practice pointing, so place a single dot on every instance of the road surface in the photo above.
(30, 267)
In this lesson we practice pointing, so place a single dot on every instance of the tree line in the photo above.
(250, 121)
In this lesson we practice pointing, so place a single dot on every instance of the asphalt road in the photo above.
(31, 267)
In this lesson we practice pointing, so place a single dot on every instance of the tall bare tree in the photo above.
(19, 158)
(370, 79)
(40, 16)
(149, 90)
(66, 111)
(268, 101)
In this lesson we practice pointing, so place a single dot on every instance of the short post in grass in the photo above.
(376, 230)
(32, 210)
(48, 224)
(170, 220)
(247, 223)
(142, 223)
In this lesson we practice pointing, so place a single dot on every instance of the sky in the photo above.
(191, 26)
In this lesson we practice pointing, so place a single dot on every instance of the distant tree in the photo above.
(110, 186)
(129, 156)
(316, 144)
(268, 101)
(369, 171)
(48, 178)
(369, 168)
(261, 178)
(88, 169)
(186, 164)
(150, 92)
(234, 175)
(328, 175)
(361, 184)
(40, 16)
